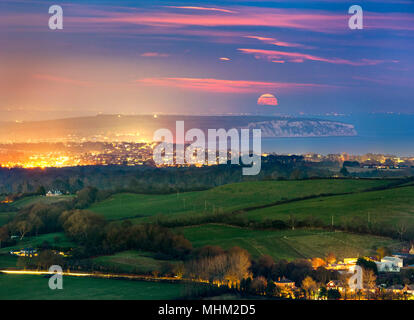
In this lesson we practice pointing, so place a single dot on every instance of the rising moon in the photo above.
(267, 99)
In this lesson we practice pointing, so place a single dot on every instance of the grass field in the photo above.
(224, 198)
(5, 217)
(132, 261)
(37, 241)
(26, 201)
(388, 206)
(26, 287)
(286, 244)
(7, 261)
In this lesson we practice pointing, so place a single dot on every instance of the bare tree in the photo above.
(238, 265)
(23, 227)
(369, 281)
(401, 228)
(309, 286)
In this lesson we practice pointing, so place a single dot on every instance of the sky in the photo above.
(206, 57)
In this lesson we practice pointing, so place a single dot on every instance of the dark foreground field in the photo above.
(33, 287)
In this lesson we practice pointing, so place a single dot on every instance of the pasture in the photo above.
(132, 261)
(286, 244)
(389, 206)
(34, 287)
(27, 201)
(226, 198)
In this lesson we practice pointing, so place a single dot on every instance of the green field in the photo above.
(26, 287)
(33, 242)
(27, 201)
(7, 261)
(388, 206)
(225, 198)
(132, 261)
(286, 244)
(5, 217)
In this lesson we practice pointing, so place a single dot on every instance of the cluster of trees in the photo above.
(95, 235)
(259, 286)
(42, 218)
(147, 179)
(218, 266)
(296, 270)
(91, 231)
(36, 219)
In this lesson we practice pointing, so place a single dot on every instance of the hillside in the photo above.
(225, 198)
(286, 244)
(142, 127)
(386, 206)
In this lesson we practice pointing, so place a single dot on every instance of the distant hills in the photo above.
(142, 127)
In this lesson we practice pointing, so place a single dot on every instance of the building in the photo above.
(285, 283)
(396, 288)
(54, 193)
(389, 264)
(27, 252)
(350, 261)
(346, 265)
(409, 289)
(335, 285)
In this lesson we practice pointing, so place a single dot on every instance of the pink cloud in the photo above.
(265, 39)
(203, 8)
(278, 43)
(224, 86)
(287, 44)
(93, 18)
(154, 54)
(254, 17)
(313, 20)
(301, 57)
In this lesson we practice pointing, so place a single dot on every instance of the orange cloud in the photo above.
(224, 86)
(301, 57)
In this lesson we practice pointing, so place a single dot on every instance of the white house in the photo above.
(389, 264)
(53, 193)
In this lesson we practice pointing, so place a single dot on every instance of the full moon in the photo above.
(267, 99)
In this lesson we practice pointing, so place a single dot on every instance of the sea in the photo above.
(391, 134)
